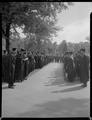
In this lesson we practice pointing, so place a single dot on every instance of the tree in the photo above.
(10, 11)
(62, 47)
(28, 14)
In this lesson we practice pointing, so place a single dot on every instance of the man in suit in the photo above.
(83, 67)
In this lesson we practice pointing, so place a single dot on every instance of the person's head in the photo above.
(66, 53)
(5, 52)
(25, 53)
(19, 52)
(82, 51)
(22, 51)
(30, 53)
(70, 53)
(14, 51)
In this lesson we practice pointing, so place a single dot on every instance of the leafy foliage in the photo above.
(62, 47)
(37, 17)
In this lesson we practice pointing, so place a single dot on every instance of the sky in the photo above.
(75, 22)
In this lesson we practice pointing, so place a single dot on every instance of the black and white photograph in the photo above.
(45, 59)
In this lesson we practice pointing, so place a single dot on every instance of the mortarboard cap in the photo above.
(22, 49)
(13, 49)
(4, 51)
(82, 49)
(70, 52)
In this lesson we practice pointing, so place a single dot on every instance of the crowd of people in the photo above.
(76, 65)
(17, 64)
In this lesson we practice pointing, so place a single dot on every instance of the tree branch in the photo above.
(15, 30)
(3, 32)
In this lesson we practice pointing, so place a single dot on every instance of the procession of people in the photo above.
(19, 63)
(76, 66)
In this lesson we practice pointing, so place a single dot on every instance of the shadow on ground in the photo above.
(5, 84)
(5, 87)
(69, 107)
(69, 89)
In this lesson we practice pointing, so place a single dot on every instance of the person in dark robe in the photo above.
(84, 67)
(65, 62)
(43, 60)
(13, 54)
(76, 61)
(36, 60)
(25, 61)
(18, 67)
(70, 67)
(22, 64)
(10, 67)
(4, 70)
(39, 60)
(8, 70)
(31, 62)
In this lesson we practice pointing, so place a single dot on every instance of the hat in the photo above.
(70, 52)
(14, 49)
(82, 49)
(65, 52)
(22, 49)
(4, 51)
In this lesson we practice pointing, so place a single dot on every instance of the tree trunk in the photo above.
(8, 37)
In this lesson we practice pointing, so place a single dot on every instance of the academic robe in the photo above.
(84, 68)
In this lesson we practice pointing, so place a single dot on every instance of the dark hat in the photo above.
(82, 49)
(70, 52)
(22, 49)
(4, 51)
(65, 52)
(14, 49)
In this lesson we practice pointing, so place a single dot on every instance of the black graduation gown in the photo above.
(31, 63)
(69, 68)
(18, 68)
(76, 61)
(36, 61)
(5, 74)
(84, 68)
(39, 61)
(22, 68)
(25, 67)
(9, 68)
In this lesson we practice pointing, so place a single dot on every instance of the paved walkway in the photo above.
(46, 94)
